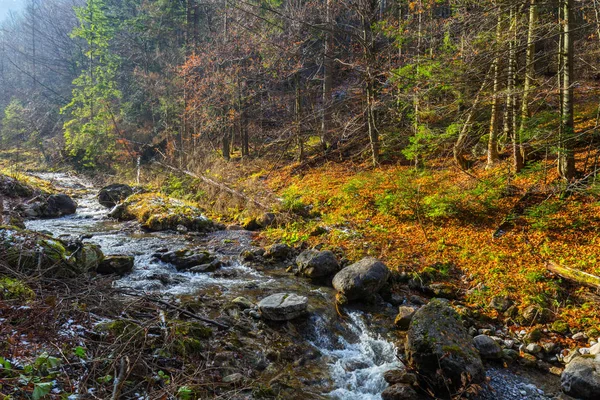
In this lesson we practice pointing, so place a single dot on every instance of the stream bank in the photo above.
(321, 356)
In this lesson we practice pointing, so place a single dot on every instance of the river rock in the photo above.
(184, 259)
(405, 315)
(119, 265)
(487, 347)
(242, 303)
(279, 252)
(317, 264)
(395, 376)
(208, 267)
(399, 391)
(362, 279)
(283, 306)
(31, 252)
(438, 341)
(156, 212)
(581, 378)
(53, 206)
(109, 196)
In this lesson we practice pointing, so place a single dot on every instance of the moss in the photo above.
(560, 326)
(14, 289)
(157, 212)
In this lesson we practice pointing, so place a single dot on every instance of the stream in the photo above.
(354, 353)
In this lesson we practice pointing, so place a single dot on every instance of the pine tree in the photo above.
(89, 133)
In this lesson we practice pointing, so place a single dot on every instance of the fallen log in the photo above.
(214, 183)
(574, 275)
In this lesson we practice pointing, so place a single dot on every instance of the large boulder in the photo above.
(186, 259)
(156, 212)
(361, 279)
(53, 206)
(109, 196)
(581, 378)
(31, 252)
(119, 265)
(439, 347)
(317, 264)
(283, 306)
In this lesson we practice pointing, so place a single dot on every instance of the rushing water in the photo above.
(356, 358)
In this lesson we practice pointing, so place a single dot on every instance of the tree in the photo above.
(566, 139)
(90, 131)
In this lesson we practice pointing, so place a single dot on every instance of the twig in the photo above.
(174, 307)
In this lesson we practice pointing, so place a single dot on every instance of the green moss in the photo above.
(560, 326)
(14, 289)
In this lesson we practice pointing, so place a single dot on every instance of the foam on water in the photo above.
(356, 367)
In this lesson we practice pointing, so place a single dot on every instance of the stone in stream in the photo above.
(119, 265)
(405, 315)
(581, 378)
(395, 376)
(109, 196)
(53, 206)
(283, 306)
(279, 252)
(317, 264)
(399, 391)
(184, 259)
(488, 348)
(439, 347)
(361, 280)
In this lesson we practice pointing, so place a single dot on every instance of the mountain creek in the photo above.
(319, 355)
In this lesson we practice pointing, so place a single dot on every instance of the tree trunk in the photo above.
(492, 153)
(327, 78)
(566, 155)
(298, 112)
(529, 77)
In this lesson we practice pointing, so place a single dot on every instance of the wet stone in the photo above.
(283, 306)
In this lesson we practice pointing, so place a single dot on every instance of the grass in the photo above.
(443, 217)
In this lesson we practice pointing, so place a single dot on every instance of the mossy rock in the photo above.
(14, 289)
(156, 212)
(439, 347)
(32, 252)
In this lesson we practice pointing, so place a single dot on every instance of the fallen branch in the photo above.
(215, 183)
(174, 307)
(571, 274)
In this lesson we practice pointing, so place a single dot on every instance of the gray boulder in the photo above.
(439, 347)
(283, 306)
(53, 206)
(185, 259)
(317, 264)
(361, 279)
(581, 378)
(399, 392)
(279, 252)
(487, 347)
(109, 196)
(119, 265)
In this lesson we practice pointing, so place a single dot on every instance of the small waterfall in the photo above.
(356, 366)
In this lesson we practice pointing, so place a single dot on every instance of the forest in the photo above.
(349, 199)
